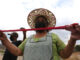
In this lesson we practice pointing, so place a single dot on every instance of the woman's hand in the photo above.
(2, 36)
(75, 31)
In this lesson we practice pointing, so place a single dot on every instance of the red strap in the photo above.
(59, 27)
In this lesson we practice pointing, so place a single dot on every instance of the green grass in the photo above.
(1, 51)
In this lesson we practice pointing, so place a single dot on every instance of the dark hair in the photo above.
(45, 19)
(13, 36)
(41, 24)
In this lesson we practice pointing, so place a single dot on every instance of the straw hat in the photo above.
(38, 12)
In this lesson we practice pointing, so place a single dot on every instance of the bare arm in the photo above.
(68, 50)
(75, 35)
(24, 34)
(12, 48)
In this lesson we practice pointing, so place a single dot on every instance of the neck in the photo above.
(39, 35)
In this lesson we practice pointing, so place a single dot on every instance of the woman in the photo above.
(43, 45)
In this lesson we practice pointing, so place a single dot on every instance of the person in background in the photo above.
(13, 38)
(43, 45)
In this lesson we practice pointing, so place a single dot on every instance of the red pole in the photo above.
(59, 27)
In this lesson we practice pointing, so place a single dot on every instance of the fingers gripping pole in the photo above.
(59, 27)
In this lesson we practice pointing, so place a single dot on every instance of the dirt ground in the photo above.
(19, 57)
(74, 56)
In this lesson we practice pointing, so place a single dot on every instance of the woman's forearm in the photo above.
(67, 51)
(11, 47)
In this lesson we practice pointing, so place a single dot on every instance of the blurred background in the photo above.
(13, 15)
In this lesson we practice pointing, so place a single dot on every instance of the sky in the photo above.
(13, 14)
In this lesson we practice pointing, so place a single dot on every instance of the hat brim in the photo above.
(44, 12)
